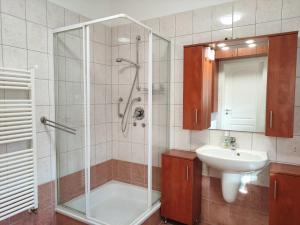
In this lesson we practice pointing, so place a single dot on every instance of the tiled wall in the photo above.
(258, 17)
(26, 41)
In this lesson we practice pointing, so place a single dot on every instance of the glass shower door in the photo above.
(160, 108)
(69, 110)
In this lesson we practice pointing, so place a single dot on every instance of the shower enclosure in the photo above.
(112, 84)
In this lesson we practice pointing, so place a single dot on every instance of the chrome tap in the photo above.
(230, 142)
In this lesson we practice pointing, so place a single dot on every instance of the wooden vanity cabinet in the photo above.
(181, 187)
(284, 195)
(282, 62)
(197, 89)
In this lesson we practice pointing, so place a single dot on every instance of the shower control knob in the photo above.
(139, 113)
(143, 125)
(134, 124)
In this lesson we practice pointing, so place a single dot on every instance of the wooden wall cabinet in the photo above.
(181, 187)
(197, 89)
(200, 88)
(284, 195)
(282, 62)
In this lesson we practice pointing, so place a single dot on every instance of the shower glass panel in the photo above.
(160, 108)
(118, 145)
(103, 73)
(69, 110)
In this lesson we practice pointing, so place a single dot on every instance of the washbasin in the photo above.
(234, 165)
(237, 161)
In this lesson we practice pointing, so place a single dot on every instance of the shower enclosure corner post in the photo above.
(34, 140)
(150, 120)
(86, 79)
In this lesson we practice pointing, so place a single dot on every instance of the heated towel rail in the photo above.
(18, 169)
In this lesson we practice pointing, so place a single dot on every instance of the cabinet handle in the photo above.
(275, 190)
(196, 115)
(271, 119)
(187, 173)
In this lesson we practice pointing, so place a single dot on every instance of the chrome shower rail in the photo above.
(58, 126)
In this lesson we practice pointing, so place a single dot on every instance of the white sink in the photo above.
(233, 165)
(238, 161)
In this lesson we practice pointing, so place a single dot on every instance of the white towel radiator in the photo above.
(18, 169)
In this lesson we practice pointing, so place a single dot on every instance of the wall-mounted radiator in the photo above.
(18, 173)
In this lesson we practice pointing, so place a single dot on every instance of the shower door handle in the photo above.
(119, 106)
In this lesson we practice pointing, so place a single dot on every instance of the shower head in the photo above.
(126, 60)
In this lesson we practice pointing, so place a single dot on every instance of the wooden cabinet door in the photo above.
(192, 87)
(196, 89)
(284, 200)
(281, 85)
(177, 189)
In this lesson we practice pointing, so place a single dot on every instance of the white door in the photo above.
(244, 86)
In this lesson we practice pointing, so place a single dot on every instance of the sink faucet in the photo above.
(230, 142)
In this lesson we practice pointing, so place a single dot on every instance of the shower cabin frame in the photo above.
(86, 74)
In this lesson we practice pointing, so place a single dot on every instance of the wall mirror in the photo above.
(240, 85)
(245, 84)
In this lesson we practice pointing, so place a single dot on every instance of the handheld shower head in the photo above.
(128, 61)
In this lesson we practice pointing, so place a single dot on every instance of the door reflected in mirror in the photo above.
(241, 103)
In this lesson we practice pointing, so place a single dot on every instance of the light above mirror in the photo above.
(226, 48)
(250, 41)
(221, 45)
(252, 45)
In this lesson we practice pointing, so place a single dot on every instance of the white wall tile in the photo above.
(71, 17)
(290, 8)
(288, 150)
(222, 16)
(243, 139)
(44, 170)
(180, 42)
(42, 92)
(199, 138)
(101, 153)
(202, 37)
(184, 23)
(167, 26)
(298, 62)
(244, 31)
(14, 57)
(202, 20)
(39, 61)
(15, 7)
(36, 11)
(43, 144)
(219, 35)
(182, 138)
(297, 92)
(291, 24)
(124, 151)
(268, 28)
(55, 15)
(138, 153)
(268, 10)
(37, 37)
(244, 12)
(216, 137)
(297, 121)
(261, 142)
(13, 31)
(178, 93)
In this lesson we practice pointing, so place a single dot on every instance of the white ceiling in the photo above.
(138, 9)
